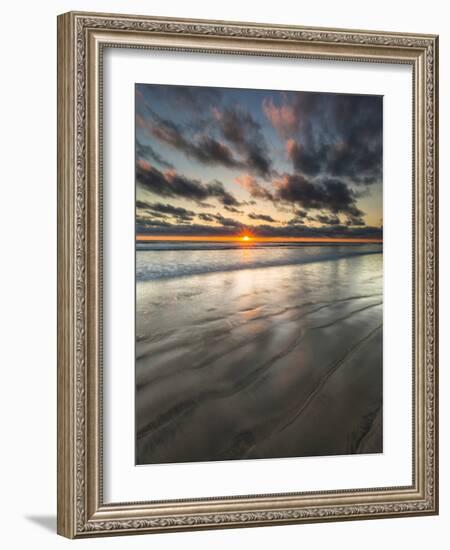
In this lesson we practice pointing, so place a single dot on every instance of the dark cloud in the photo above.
(295, 222)
(339, 135)
(331, 231)
(150, 226)
(146, 152)
(205, 149)
(248, 146)
(299, 217)
(234, 228)
(304, 159)
(144, 211)
(355, 221)
(217, 190)
(240, 129)
(296, 229)
(301, 214)
(191, 98)
(207, 217)
(218, 218)
(142, 205)
(328, 194)
(233, 209)
(192, 104)
(327, 220)
(172, 184)
(164, 210)
(210, 151)
(262, 217)
(155, 215)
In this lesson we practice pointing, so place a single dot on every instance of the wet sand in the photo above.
(260, 363)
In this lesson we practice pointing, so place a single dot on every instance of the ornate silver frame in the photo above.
(81, 39)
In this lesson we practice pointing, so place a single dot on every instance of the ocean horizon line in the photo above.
(245, 240)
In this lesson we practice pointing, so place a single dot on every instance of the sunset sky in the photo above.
(223, 163)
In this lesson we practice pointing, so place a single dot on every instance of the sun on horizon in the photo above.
(256, 239)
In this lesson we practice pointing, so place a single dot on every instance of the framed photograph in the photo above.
(247, 274)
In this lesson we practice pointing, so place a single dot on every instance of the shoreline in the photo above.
(244, 258)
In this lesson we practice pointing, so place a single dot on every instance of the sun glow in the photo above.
(246, 238)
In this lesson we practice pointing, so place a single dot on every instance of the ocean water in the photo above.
(159, 260)
(256, 352)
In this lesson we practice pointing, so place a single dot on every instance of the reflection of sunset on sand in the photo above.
(265, 362)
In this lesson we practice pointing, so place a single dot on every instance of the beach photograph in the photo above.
(259, 274)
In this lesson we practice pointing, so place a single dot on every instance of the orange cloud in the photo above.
(256, 190)
(283, 118)
(144, 165)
